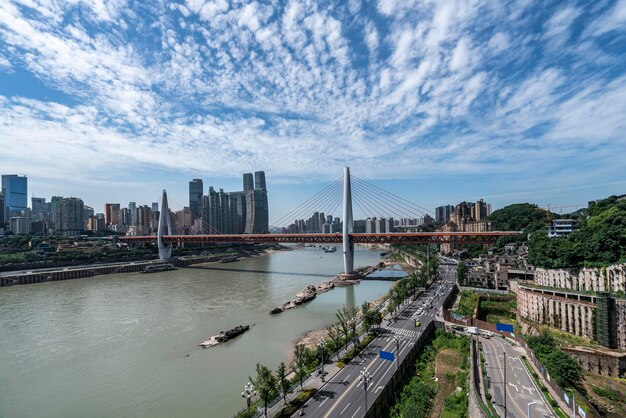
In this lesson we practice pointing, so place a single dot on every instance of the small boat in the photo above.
(383, 254)
(229, 259)
(154, 268)
(330, 249)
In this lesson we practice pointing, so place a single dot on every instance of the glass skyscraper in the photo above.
(14, 189)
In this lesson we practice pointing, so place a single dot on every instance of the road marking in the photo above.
(378, 388)
(514, 385)
(344, 409)
(327, 398)
(530, 390)
(356, 412)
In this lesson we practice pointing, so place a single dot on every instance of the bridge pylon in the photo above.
(165, 228)
(348, 247)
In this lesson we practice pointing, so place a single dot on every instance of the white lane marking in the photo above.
(514, 385)
(356, 412)
(327, 398)
(344, 409)
(378, 388)
(530, 390)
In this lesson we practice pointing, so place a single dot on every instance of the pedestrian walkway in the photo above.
(404, 333)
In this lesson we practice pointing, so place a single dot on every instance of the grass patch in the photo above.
(296, 403)
(468, 302)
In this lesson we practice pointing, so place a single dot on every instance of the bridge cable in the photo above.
(386, 206)
(291, 214)
(387, 202)
(313, 205)
(395, 197)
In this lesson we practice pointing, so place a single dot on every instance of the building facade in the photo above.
(70, 216)
(196, 189)
(14, 190)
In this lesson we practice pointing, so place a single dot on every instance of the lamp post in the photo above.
(398, 340)
(248, 393)
(365, 377)
(528, 408)
(322, 346)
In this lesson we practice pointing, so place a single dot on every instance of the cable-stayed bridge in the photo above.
(372, 201)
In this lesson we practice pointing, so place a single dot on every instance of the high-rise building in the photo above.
(111, 214)
(248, 182)
(237, 212)
(132, 206)
(54, 209)
(1, 210)
(40, 209)
(125, 218)
(70, 216)
(144, 220)
(195, 197)
(14, 189)
(20, 225)
(481, 210)
(442, 214)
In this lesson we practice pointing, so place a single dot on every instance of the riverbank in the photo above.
(68, 272)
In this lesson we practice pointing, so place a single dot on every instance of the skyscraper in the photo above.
(195, 197)
(70, 216)
(1, 209)
(442, 214)
(248, 182)
(111, 214)
(14, 189)
(132, 206)
(54, 209)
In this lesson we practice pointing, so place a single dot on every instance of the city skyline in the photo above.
(434, 101)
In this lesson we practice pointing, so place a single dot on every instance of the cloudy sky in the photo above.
(437, 101)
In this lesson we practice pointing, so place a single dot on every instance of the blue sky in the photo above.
(436, 101)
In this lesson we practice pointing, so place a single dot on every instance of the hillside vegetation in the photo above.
(601, 239)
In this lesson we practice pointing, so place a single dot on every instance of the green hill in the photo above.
(601, 239)
(525, 217)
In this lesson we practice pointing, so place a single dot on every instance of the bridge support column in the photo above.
(165, 228)
(348, 247)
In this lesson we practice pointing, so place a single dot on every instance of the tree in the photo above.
(347, 320)
(299, 362)
(265, 383)
(461, 271)
(283, 383)
(334, 332)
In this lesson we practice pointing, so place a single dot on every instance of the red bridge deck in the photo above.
(391, 238)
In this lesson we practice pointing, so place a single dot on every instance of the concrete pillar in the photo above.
(348, 248)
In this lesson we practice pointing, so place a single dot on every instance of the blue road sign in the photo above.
(386, 355)
(504, 327)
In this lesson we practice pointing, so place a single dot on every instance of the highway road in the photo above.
(344, 395)
(521, 389)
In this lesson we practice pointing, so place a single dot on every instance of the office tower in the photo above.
(88, 212)
(70, 216)
(54, 208)
(14, 188)
(224, 212)
(155, 206)
(258, 210)
(248, 182)
(259, 180)
(210, 211)
(40, 209)
(132, 206)
(238, 208)
(20, 225)
(195, 197)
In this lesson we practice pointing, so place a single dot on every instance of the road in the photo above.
(521, 389)
(344, 395)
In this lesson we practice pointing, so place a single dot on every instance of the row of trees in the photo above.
(269, 385)
(561, 366)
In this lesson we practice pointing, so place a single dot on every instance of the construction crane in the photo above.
(559, 207)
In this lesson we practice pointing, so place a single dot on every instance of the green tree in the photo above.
(265, 383)
(346, 318)
(299, 362)
(334, 333)
(283, 382)
(461, 272)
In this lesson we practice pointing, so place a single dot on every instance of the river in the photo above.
(126, 345)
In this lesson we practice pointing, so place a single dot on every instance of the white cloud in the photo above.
(499, 42)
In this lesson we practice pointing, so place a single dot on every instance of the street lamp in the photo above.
(322, 346)
(365, 377)
(248, 393)
(528, 408)
(398, 340)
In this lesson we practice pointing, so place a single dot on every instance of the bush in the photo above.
(341, 364)
(553, 403)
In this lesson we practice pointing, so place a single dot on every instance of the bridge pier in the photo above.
(165, 228)
(348, 247)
